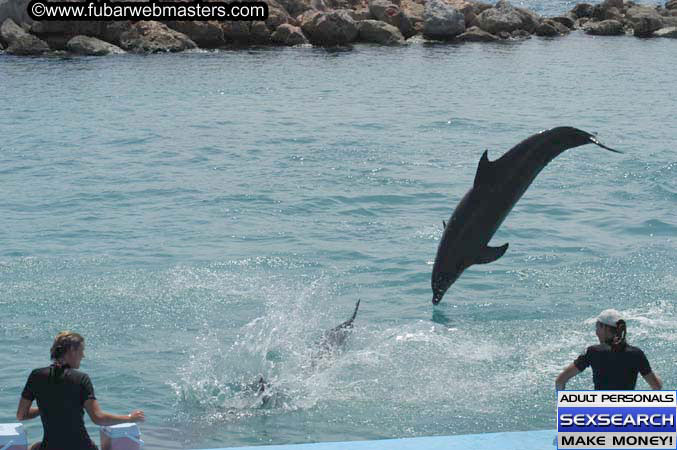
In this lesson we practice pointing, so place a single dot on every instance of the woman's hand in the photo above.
(137, 416)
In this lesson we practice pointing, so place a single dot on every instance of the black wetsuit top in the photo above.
(614, 370)
(61, 393)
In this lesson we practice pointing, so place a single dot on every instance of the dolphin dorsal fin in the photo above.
(355, 312)
(490, 254)
(485, 170)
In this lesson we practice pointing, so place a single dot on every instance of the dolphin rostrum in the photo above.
(498, 186)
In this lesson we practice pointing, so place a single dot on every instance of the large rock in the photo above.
(580, 23)
(86, 45)
(238, 32)
(442, 21)
(206, 34)
(154, 37)
(10, 31)
(469, 10)
(58, 32)
(19, 42)
(670, 32)
(565, 20)
(260, 33)
(114, 30)
(604, 28)
(671, 4)
(390, 13)
(551, 28)
(530, 20)
(381, 9)
(644, 20)
(582, 10)
(287, 34)
(405, 23)
(307, 16)
(378, 32)
(27, 45)
(277, 15)
(502, 17)
(476, 34)
(414, 11)
(600, 13)
(645, 26)
(546, 29)
(330, 28)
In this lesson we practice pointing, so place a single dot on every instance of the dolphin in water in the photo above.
(498, 186)
(336, 337)
(331, 341)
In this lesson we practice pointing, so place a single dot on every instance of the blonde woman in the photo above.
(63, 393)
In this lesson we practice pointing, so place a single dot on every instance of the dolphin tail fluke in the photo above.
(549, 144)
(572, 137)
(594, 140)
(491, 254)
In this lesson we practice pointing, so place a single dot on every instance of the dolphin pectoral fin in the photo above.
(490, 254)
(444, 224)
(485, 170)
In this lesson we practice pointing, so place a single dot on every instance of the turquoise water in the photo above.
(202, 218)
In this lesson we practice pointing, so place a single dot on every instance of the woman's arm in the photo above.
(569, 372)
(24, 411)
(104, 419)
(653, 380)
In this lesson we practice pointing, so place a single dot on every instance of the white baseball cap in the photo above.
(609, 317)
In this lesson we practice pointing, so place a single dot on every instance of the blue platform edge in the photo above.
(514, 440)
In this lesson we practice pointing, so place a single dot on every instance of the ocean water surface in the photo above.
(202, 218)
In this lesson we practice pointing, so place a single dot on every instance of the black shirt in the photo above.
(614, 370)
(61, 393)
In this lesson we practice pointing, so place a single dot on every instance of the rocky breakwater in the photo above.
(616, 17)
(331, 23)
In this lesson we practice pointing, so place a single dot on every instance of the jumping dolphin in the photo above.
(336, 337)
(498, 186)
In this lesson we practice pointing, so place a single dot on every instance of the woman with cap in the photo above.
(63, 393)
(615, 364)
